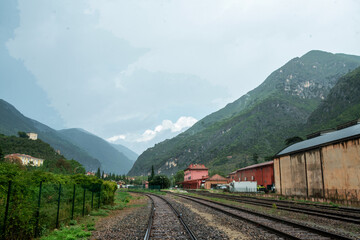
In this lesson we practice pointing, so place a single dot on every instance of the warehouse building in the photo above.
(326, 165)
(262, 173)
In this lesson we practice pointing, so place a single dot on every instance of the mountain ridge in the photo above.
(13, 121)
(112, 160)
(292, 91)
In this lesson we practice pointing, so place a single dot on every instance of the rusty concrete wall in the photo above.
(341, 163)
(314, 173)
(277, 176)
(285, 169)
(333, 170)
(298, 174)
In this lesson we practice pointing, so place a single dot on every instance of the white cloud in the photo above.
(180, 125)
(116, 138)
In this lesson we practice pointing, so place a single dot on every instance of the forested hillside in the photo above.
(341, 105)
(53, 162)
(12, 121)
(254, 127)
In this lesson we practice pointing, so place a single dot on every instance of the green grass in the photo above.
(68, 233)
(99, 212)
(81, 228)
(148, 191)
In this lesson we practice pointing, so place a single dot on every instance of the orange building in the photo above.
(213, 181)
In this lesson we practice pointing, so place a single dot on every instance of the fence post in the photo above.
(83, 210)
(92, 199)
(73, 204)
(7, 207)
(58, 209)
(99, 197)
(38, 212)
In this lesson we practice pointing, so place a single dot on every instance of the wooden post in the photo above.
(83, 209)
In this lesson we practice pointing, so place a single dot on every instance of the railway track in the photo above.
(340, 214)
(165, 222)
(284, 228)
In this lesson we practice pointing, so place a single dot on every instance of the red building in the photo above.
(262, 173)
(231, 176)
(194, 176)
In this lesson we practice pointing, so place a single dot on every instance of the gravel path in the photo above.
(129, 223)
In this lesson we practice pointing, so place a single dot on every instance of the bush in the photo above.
(24, 198)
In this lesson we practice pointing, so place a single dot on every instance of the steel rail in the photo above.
(288, 207)
(271, 229)
(179, 216)
(328, 207)
(147, 234)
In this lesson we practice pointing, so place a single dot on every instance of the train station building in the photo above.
(196, 176)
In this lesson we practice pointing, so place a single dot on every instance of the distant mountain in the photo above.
(12, 121)
(255, 126)
(112, 160)
(126, 151)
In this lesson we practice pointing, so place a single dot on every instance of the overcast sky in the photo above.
(138, 72)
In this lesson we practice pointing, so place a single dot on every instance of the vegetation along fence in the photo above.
(352, 195)
(30, 210)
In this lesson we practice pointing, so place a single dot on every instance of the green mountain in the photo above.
(341, 105)
(126, 151)
(255, 126)
(12, 121)
(112, 160)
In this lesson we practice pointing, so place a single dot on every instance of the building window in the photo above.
(245, 178)
(252, 178)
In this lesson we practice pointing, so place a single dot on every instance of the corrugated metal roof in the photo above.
(257, 165)
(325, 139)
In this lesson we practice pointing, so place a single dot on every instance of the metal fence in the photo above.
(32, 210)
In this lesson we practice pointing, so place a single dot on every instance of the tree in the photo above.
(179, 176)
(98, 174)
(23, 135)
(1, 155)
(160, 180)
(293, 140)
(152, 173)
(255, 158)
